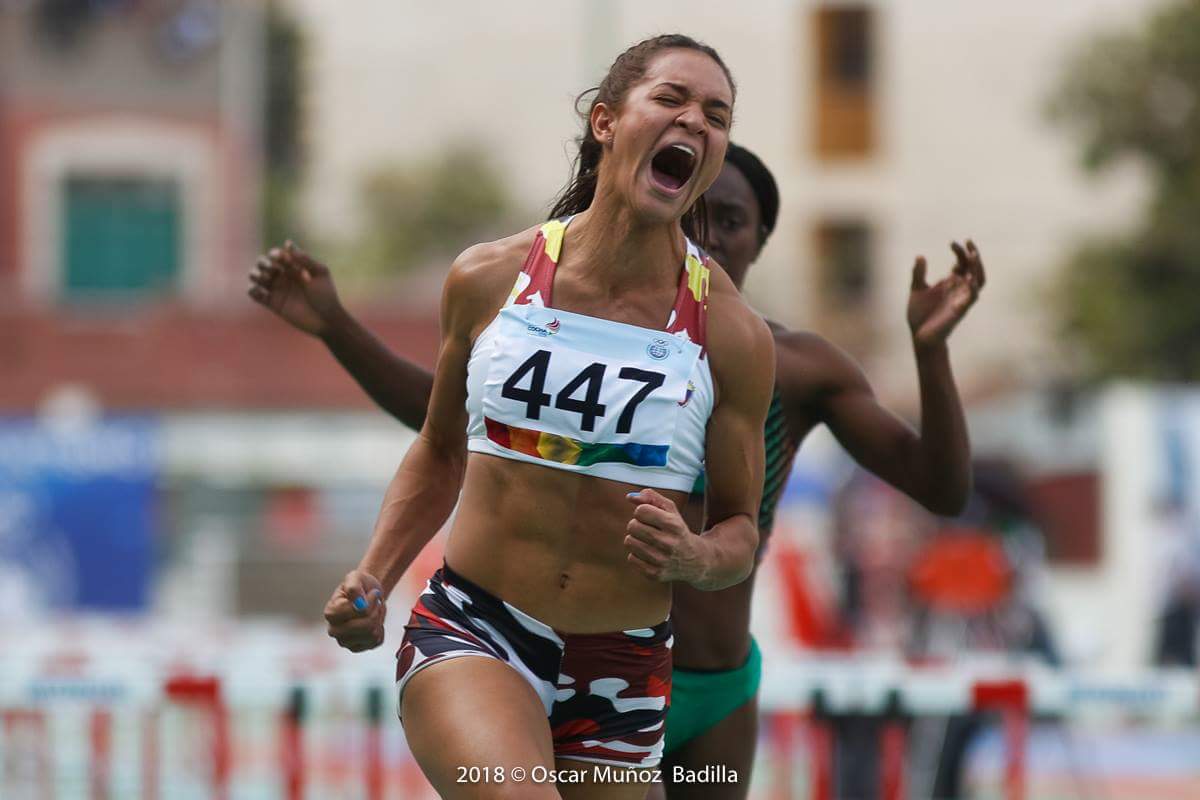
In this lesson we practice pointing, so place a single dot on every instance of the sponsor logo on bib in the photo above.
(658, 349)
(549, 329)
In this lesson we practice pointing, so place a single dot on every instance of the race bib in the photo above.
(578, 390)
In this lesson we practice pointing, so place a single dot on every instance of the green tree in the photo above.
(415, 213)
(283, 58)
(1133, 301)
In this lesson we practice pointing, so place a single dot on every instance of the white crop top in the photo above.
(589, 395)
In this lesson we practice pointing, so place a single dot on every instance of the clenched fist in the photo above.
(659, 543)
(356, 611)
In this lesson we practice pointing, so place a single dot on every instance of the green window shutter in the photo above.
(121, 237)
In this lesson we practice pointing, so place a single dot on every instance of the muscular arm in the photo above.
(742, 357)
(421, 494)
(823, 384)
(660, 542)
(425, 487)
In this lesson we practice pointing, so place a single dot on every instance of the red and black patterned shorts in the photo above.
(605, 694)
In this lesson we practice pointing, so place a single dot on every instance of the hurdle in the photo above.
(338, 727)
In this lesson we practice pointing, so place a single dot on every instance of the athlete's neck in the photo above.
(611, 247)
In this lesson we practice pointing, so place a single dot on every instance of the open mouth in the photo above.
(673, 166)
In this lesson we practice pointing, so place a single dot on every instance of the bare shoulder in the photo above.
(808, 364)
(481, 278)
(739, 343)
(732, 323)
(805, 345)
(489, 265)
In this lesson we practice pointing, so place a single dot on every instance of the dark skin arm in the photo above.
(300, 290)
(822, 384)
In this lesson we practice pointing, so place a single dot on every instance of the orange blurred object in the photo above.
(963, 570)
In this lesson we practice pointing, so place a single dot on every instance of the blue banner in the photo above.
(78, 514)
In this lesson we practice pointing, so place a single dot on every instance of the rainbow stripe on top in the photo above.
(565, 450)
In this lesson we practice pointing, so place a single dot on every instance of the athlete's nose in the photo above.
(692, 120)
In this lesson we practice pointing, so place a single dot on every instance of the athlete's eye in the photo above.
(718, 120)
(667, 100)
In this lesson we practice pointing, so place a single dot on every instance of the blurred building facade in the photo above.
(131, 158)
(168, 449)
(140, 387)
(130, 148)
(130, 171)
(892, 128)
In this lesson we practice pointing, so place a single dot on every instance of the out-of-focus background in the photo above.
(184, 478)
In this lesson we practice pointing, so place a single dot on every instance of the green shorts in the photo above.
(699, 700)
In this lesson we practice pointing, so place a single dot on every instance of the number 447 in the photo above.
(587, 383)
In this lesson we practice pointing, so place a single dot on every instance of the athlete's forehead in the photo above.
(731, 189)
(691, 73)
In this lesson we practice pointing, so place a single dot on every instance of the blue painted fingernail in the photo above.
(360, 603)
(632, 495)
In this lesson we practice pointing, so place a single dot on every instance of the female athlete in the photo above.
(713, 714)
(588, 368)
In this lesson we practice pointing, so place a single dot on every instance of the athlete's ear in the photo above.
(604, 124)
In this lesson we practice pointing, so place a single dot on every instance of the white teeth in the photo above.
(685, 149)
